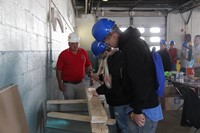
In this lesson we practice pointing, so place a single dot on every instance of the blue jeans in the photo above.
(149, 127)
(173, 67)
(121, 117)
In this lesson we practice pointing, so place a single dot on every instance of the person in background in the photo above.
(153, 49)
(190, 55)
(184, 57)
(165, 55)
(197, 55)
(173, 52)
(118, 102)
(72, 65)
(140, 76)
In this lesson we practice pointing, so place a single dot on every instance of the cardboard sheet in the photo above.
(12, 116)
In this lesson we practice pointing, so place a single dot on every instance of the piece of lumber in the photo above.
(74, 101)
(99, 128)
(110, 122)
(69, 116)
(96, 110)
(76, 117)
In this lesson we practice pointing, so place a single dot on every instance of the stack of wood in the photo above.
(97, 117)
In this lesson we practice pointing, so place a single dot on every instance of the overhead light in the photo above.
(104, 0)
(141, 29)
(155, 30)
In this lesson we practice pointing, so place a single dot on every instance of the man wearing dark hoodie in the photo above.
(139, 68)
(114, 91)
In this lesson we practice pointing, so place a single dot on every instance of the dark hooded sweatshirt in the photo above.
(116, 95)
(139, 69)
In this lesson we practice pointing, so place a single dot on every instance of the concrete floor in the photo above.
(171, 124)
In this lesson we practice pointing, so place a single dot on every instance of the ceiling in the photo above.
(119, 6)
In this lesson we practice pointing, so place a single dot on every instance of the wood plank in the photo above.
(69, 116)
(74, 101)
(110, 122)
(99, 128)
(95, 108)
(76, 117)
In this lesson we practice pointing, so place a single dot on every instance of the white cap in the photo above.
(73, 37)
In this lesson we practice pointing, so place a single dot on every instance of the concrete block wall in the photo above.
(24, 52)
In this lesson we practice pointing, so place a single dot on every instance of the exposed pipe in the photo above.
(184, 4)
(190, 8)
(74, 7)
(50, 35)
(86, 2)
(188, 19)
(97, 8)
(166, 27)
(50, 41)
(62, 16)
(90, 6)
(135, 4)
(131, 18)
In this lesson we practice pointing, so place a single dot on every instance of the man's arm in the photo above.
(89, 71)
(59, 78)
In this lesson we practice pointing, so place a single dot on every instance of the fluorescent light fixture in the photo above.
(141, 29)
(155, 39)
(155, 30)
(104, 0)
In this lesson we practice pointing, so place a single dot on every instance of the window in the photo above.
(155, 30)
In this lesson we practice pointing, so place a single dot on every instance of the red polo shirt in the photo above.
(73, 65)
(173, 54)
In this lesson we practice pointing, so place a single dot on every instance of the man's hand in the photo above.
(94, 93)
(139, 119)
(94, 76)
(61, 87)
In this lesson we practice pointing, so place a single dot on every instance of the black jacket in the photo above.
(140, 70)
(115, 96)
(191, 109)
(165, 59)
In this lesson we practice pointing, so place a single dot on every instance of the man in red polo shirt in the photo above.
(71, 67)
(173, 55)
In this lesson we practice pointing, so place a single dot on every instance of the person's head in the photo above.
(99, 49)
(185, 44)
(172, 43)
(196, 40)
(105, 30)
(73, 41)
(163, 44)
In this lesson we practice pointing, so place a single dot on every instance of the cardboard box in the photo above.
(171, 102)
(170, 91)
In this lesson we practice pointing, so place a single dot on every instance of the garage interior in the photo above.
(31, 43)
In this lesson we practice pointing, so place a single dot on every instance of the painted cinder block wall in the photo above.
(24, 52)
